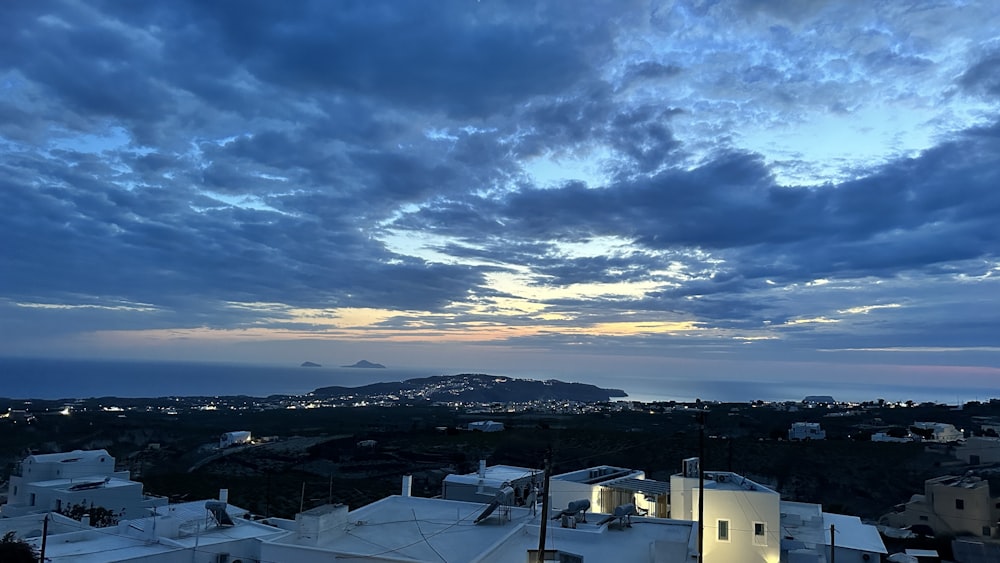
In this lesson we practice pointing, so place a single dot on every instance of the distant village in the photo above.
(83, 506)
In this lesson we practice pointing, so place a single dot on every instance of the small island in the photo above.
(311, 365)
(365, 364)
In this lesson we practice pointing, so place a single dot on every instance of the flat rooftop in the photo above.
(80, 484)
(728, 481)
(496, 475)
(648, 540)
(129, 540)
(807, 523)
(597, 475)
(416, 529)
(963, 482)
(31, 525)
(401, 528)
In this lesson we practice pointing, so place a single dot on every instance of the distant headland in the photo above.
(311, 365)
(365, 364)
(471, 388)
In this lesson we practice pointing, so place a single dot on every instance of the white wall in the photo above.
(742, 509)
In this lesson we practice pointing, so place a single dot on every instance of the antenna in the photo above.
(545, 507)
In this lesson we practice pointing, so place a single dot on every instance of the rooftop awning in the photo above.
(646, 486)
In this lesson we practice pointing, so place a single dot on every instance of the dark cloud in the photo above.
(983, 77)
(458, 57)
(189, 155)
(649, 70)
(910, 215)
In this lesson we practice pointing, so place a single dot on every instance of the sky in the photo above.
(745, 190)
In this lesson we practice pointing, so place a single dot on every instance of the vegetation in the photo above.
(13, 550)
(100, 517)
(312, 456)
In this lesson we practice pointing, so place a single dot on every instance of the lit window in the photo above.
(760, 533)
(723, 530)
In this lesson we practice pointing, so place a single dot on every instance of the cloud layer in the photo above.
(761, 180)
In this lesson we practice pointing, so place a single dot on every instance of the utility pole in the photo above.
(701, 486)
(833, 545)
(730, 453)
(267, 496)
(545, 506)
(45, 534)
(302, 499)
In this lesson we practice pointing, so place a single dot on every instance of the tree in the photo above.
(13, 550)
(100, 517)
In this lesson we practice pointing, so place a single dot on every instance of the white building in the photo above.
(60, 481)
(484, 484)
(883, 437)
(979, 450)
(199, 532)
(608, 487)
(741, 518)
(30, 526)
(234, 438)
(486, 426)
(806, 539)
(939, 432)
(952, 505)
(746, 522)
(806, 431)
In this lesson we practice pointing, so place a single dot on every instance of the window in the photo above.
(723, 530)
(986, 531)
(922, 517)
(959, 504)
(760, 533)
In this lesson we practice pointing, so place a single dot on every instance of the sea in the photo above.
(33, 378)
(46, 378)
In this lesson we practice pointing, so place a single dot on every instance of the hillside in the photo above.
(480, 388)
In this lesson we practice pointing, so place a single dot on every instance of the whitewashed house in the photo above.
(979, 450)
(939, 432)
(60, 481)
(484, 484)
(234, 438)
(608, 487)
(746, 522)
(806, 431)
(486, 426)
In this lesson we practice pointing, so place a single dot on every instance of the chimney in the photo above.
(482, 469)
(407, 485)
(224, 495)
(316, 524)
(691, 467)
